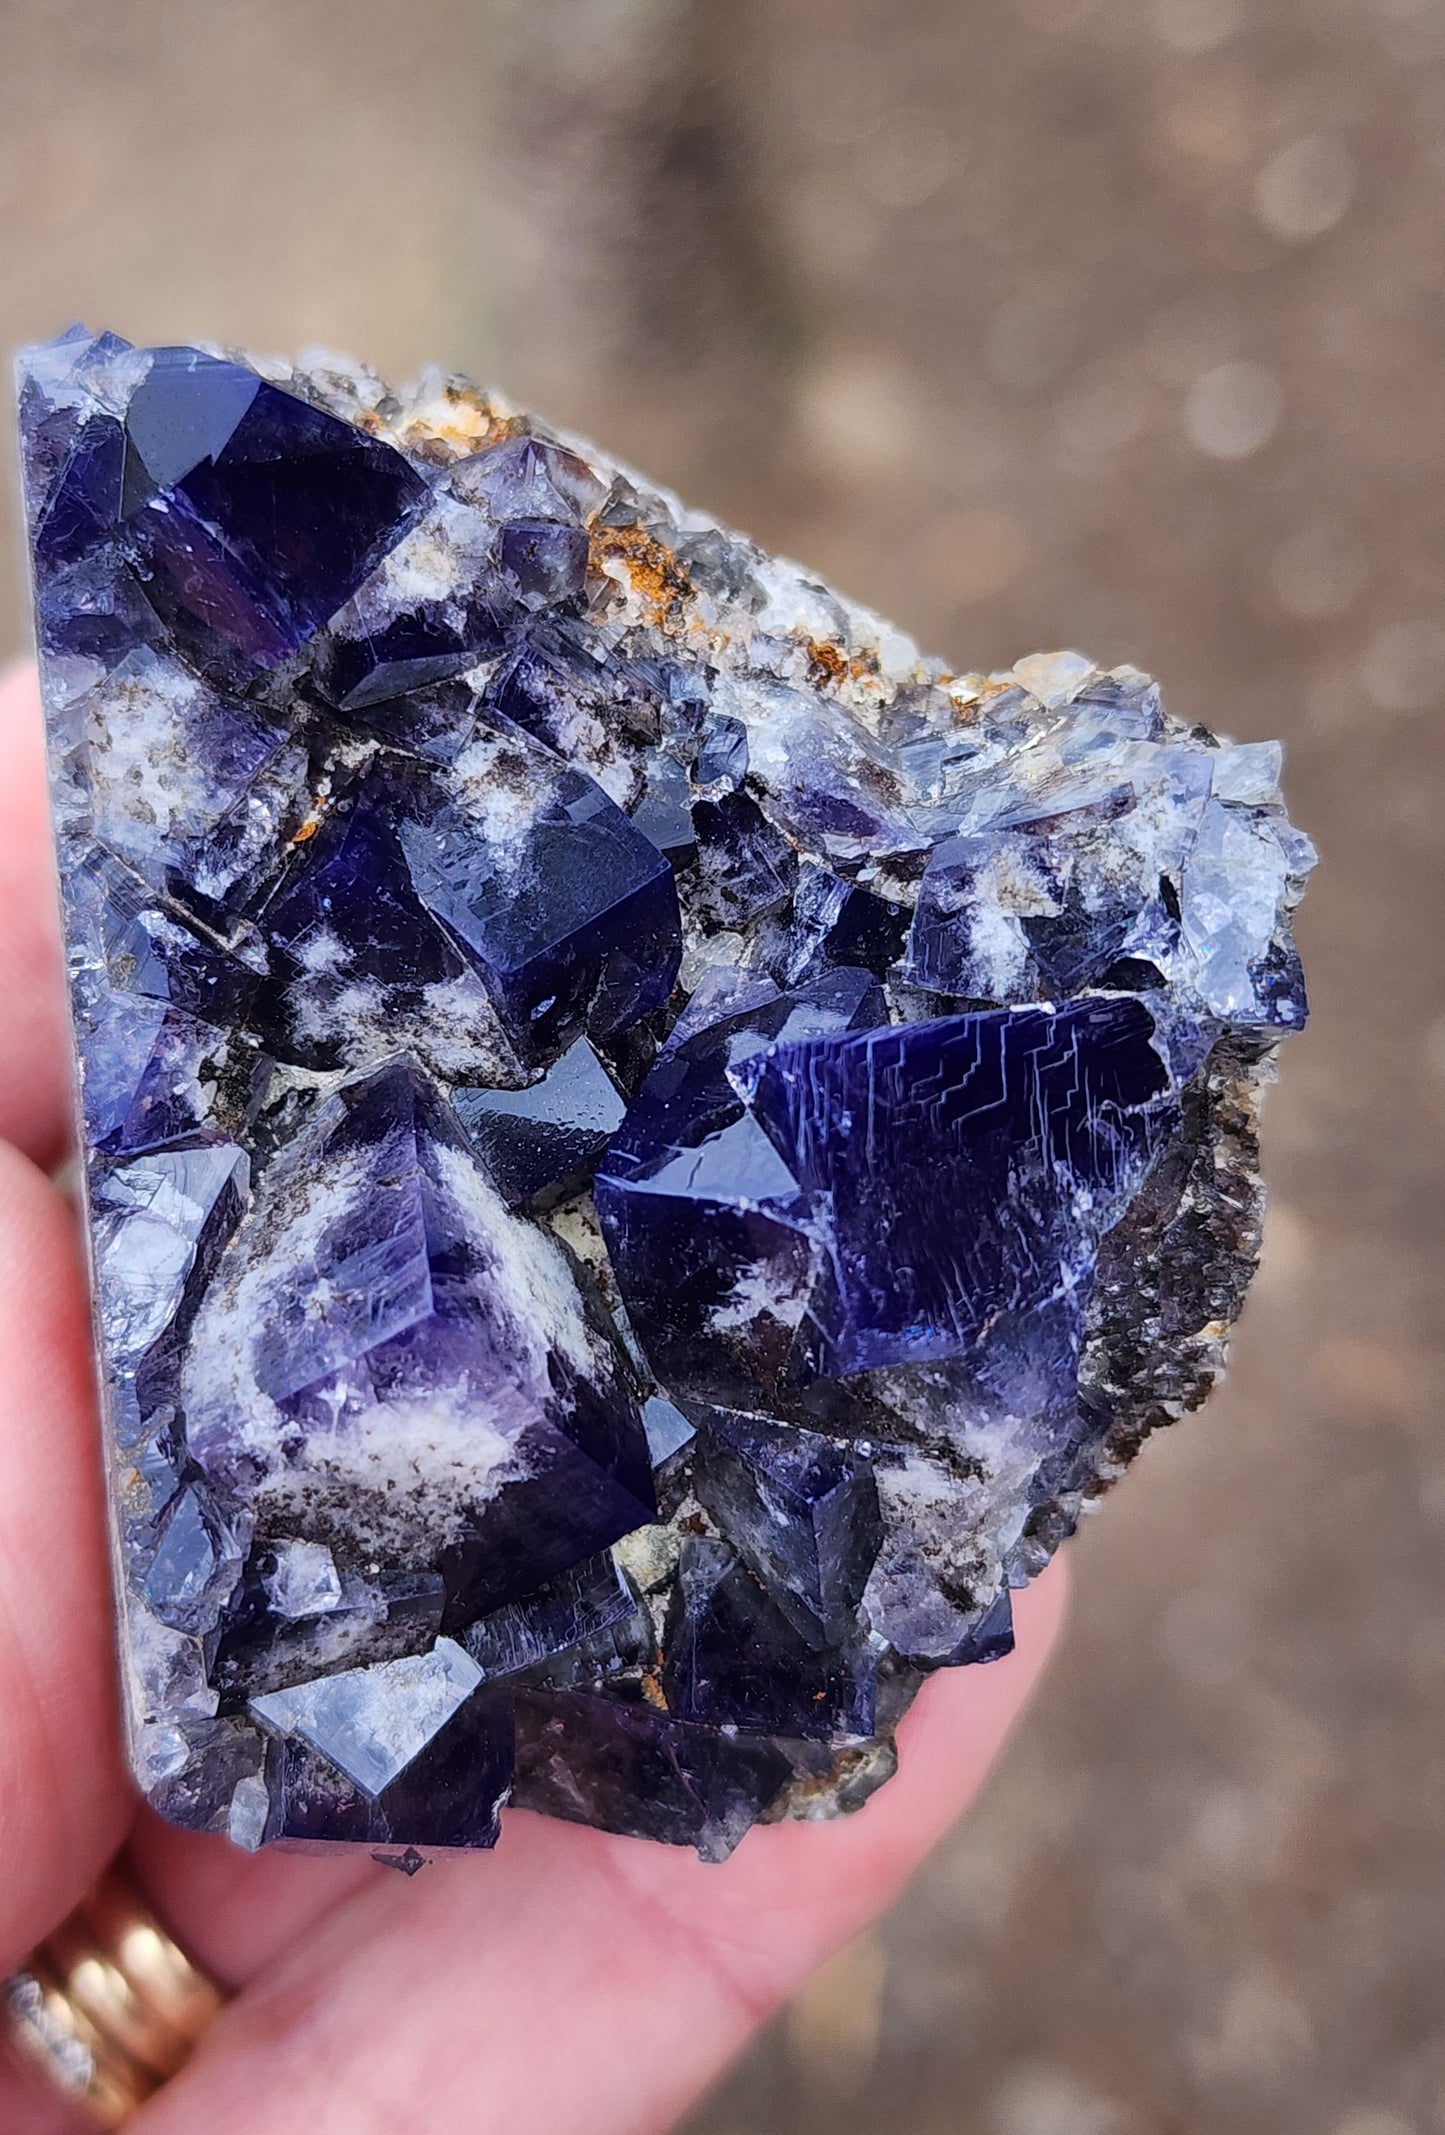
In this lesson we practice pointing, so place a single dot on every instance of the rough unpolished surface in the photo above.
(649, 1148)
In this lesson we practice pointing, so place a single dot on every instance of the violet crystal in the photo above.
(649, 1149)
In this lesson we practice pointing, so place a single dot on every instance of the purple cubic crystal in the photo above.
(801, 1508)
(566, 911)
(583, 1602)
(601, 1760)
(542, 1142)
(734, 1658)
(647, 1147)
(252, 515)
(403, 1752)
(960, 1170)
(437, 1397)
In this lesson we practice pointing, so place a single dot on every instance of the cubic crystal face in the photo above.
(648, 1147)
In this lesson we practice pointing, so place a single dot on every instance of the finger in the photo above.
(575, 1981)
(32, 2104)
(235, 1912)
(35, 1098)
(63, 1803)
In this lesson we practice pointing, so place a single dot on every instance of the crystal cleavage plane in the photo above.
(649, 1149)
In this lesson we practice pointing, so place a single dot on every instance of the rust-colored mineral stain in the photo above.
(819, 1786)
(307, 830)
(829, 662)
(652, 570)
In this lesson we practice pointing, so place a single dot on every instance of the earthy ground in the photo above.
(1106, 322)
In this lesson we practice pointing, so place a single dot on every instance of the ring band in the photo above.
(108, 2005)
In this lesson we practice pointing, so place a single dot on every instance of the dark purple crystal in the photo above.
(600, 950)
(252, 514)
(734, 1657)
(625, 1767)
(801, 1508)
(542, 1142)
(529, 1448)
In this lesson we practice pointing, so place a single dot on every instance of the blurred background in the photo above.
(1115, 323)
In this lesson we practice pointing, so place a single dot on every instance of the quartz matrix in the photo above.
(648, 1148)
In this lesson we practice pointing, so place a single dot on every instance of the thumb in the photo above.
(64, 1804)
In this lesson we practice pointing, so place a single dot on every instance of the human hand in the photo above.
(571, 1981)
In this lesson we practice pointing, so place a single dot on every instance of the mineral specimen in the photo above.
(649, 1149)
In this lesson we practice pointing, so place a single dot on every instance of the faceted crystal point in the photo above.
(734, 1658)
(629, 1767)
(538, 1142)
(647, 1146)
(403, 1753)
(997, 1148)
(437, 1396)
(250, 514)
(991, 1638)
(584, 1601)
(601, 950)
(802, 1509)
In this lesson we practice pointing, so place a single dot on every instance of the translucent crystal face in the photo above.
(647, 1145)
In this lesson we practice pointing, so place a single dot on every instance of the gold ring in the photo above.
(108, 2005)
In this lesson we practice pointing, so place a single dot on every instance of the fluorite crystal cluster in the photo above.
(649, 1150)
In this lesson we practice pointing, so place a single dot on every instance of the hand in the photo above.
(571, 1981)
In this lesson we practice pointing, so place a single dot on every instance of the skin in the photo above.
(571, 1980)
